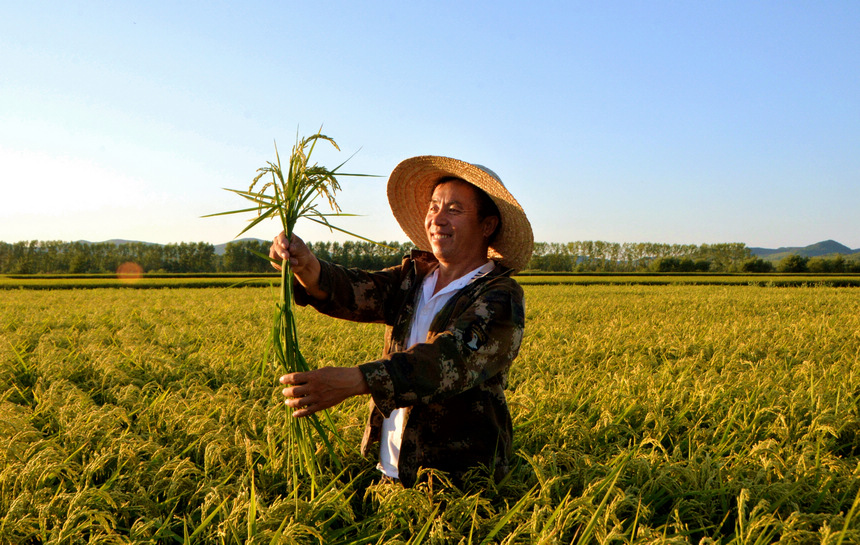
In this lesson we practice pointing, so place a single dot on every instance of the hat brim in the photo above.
(410, 187)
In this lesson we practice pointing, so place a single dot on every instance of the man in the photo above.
(454, 320)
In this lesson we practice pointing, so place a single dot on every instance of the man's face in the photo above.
(455, 230)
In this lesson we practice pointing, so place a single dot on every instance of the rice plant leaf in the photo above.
(19, 357)
(206, 521)
(589, 528)
(252, 510)
(339, 215)
(509, 515)
(321, 432)
(561, 506)
(425, 528)
(255, 196)
(242, 211)
(848, 517)
(264, 256)
(254, 223)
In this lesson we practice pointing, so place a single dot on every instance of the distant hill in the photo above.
(819, 249)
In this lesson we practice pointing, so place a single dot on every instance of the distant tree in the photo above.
(664, 264)
(238, 256)
(819, 265)
(321, 249)
(148, 256)
(33, 257)
(725, 257)
(793, 263)
(756, 265)
(551, 257)
(835, 264)
(702, 265)
(23, 257)
(80, 258)
(556, 262)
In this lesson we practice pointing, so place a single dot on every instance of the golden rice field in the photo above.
(643, 414)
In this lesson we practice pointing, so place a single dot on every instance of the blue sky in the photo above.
(676, 122)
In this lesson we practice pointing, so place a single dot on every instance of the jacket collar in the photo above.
(425, 263)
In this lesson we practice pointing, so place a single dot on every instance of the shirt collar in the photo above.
(430, 280)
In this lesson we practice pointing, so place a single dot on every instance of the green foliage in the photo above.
(550, 257)
(757, 265)
(593, 256)
(243, 256)
(834, 264)
(670, 414)
(54, 257)
(823, 265)
(674, 264)
(51, 257)
(361, 254)
(793, 264)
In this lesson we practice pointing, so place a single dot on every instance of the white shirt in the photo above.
(426, 308)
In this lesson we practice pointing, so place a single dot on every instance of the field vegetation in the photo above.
(643, 414)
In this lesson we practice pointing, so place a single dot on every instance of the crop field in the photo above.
(675, 414)
(225, 280)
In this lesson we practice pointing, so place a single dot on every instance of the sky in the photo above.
(622, 121)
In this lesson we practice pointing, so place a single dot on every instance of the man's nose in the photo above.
(438, 218)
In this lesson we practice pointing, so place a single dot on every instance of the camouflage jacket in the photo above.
(453, 385)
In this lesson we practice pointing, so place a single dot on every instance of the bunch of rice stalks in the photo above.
(289, 196)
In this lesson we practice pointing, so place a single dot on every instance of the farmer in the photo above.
(454, 321)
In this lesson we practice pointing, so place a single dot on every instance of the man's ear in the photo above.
(490, 223)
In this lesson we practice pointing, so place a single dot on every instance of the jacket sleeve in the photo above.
(353, 294)
(477, 343)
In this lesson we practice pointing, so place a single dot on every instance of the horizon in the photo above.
(672, 123)
(127, 241)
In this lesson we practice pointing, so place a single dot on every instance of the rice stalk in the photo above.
(289, 195)
(848, 518)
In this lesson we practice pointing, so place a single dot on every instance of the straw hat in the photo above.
(410, 187)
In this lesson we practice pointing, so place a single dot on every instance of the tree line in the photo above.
(600, 256)
(57, 257)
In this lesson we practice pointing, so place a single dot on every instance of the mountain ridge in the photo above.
(819, 249)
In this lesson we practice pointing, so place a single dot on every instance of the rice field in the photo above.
(643, 414)
(225, 280)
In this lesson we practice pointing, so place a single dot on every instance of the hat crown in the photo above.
(490, 172)
(410, 187)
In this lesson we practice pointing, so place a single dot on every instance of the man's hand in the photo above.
(295, 251)
(320, 389)
(304, 264)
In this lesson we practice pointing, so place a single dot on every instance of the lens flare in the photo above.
(129, 272)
